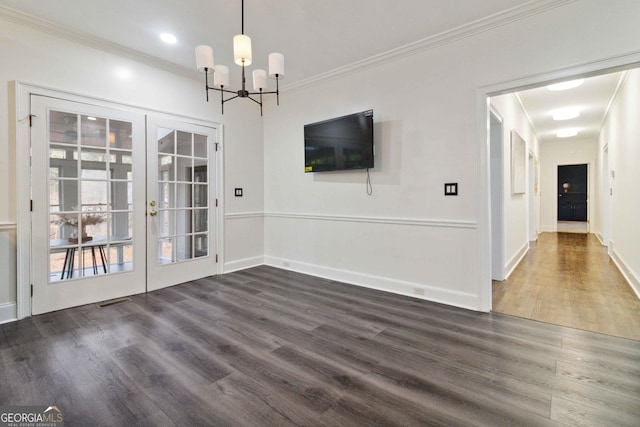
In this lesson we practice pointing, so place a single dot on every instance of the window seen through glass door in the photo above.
(182, 205)
(90, 196)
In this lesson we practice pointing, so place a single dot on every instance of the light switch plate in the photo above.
(451, 189)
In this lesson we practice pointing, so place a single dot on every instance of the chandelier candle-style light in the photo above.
(242, 55)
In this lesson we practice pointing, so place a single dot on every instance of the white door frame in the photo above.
(605, 197)
(483, 198)
(532, 223)
(498, 239)
(589, 191)
(19, 118)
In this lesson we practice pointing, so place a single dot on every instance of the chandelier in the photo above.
(242, 57)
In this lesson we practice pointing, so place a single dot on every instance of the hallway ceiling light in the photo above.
(566, 133)
(565, 85)
(565, 114)
(242, 57)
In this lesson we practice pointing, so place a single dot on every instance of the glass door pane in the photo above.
(182, 198)
(90, 196)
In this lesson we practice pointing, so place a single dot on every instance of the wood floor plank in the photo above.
(569, 279)
(259, 404)
(266, 346)
(573, 414)
(473, 407)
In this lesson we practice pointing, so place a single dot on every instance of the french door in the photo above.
(181, 201)
(120, 203)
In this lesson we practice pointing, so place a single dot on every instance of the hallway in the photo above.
(568, 279)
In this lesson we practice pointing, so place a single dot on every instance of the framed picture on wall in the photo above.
(518, 163)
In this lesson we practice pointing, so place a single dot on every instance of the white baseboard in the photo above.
(415, 290)
(600, 239)
(241, 264)
(632, 278)
(515, 260)
(8, 312)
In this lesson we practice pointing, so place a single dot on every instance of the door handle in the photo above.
(153, 212)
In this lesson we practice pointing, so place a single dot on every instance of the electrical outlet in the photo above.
(418, 291)
(285, 264)
(238, 192)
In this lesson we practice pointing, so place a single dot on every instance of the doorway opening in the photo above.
(568, 186)
(119, 201)
(573, 195)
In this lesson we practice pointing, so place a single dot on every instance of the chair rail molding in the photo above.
(7, 226)
(442, 223)
(243, 215)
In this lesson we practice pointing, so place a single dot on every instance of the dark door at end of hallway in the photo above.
(572, 193)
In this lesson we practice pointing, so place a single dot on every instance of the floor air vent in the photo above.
(118, 301)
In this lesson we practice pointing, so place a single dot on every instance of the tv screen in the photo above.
(343, 143)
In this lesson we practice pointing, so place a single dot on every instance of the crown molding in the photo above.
(531, 8)
(508, 16)
(80, 37)
(622, 79)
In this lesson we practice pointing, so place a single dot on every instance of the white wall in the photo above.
(515, 206)
(554, 154)
(7, 271)
(244, 168)
(407, 237)
(42, 59)
(426, 134)
(621, 132)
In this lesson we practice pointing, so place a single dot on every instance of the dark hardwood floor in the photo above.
(569, 279)
(268, 347)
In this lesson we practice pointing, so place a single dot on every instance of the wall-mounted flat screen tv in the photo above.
(343, 143)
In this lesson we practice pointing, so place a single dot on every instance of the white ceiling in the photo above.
(315, 37)
(591, 99)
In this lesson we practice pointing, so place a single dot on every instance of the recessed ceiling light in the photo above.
(565, 114)
(565, 85)
(123, 73)
(566, 133)
(91, 118)
(168, 38)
